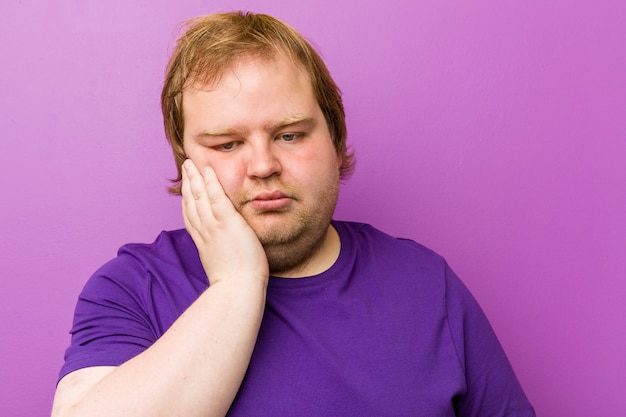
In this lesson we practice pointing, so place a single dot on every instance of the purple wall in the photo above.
(493, 132)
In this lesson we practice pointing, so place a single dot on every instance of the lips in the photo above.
(270, 201)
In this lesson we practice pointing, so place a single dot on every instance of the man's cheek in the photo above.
(234, 193)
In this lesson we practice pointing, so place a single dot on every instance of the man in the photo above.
(264, 305)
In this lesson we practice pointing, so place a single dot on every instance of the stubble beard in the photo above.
(290, 245)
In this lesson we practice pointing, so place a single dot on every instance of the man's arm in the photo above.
(197, 366)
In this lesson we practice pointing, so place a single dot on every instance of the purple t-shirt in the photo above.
(388, 330)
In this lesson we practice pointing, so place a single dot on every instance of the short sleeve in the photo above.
(111, 323)
(492, 387)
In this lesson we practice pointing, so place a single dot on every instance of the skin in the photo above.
(258, 194)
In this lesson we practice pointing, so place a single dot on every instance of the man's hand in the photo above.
(228, 247)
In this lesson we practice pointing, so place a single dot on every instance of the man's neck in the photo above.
(323, 257)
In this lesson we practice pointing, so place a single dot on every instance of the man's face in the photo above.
(262, 131)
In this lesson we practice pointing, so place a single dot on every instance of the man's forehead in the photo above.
(210, 79)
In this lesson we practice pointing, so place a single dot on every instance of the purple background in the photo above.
(493, 132)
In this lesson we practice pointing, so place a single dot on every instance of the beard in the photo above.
(293, 237)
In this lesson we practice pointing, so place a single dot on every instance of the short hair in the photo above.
(211, 44)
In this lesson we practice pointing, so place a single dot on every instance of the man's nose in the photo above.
(263, 160)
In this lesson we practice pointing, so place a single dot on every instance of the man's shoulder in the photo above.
(380, 244)
(168, 242)
(364, 232)
(170, 260)
(172, 250)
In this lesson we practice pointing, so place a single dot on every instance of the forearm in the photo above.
(194, 369)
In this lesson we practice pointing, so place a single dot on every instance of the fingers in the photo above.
(204, 199)
(196, 206)
(220, 204)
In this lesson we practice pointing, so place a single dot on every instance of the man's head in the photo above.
(213, 44)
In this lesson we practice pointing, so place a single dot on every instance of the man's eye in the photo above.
(225, 146)
(288, 137)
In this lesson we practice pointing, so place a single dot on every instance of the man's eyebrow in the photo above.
(292, 119)
(218, 132)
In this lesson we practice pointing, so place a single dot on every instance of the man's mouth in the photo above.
(270, 201)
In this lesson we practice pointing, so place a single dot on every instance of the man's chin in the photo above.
(275, 228)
